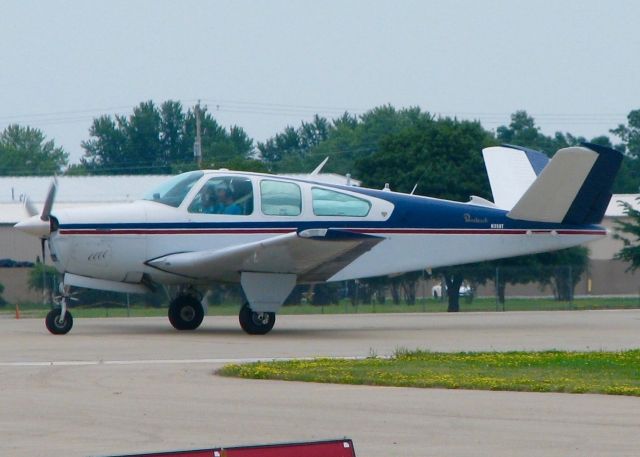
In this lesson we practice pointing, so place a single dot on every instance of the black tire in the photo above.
(256, 323)
(52, 321)
(185, 313)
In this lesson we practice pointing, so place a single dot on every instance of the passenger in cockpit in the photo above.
(226, 204)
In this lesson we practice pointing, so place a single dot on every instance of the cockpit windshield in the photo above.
(173, 191)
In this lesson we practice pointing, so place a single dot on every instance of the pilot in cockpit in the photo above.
(208, 201)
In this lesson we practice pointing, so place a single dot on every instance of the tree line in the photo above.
(404, 148)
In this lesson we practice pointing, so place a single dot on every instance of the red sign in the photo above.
(335, 448)
(340, 448)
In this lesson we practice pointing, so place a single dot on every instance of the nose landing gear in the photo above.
(59, 321)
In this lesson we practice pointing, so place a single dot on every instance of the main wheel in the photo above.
(185, 313)
(256, 323)
(57, 326)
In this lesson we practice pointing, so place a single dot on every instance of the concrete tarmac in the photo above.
(115, 386)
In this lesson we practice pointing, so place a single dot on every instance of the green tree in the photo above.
(345, 139)
(628, 231)
(523, 131)
(26, 151)
(443, 157)
(628, 180)
(288, 151)
(159, 140)
(453, 277)
(106, 151)
(42, 278)
(563, 270)
(630, 134)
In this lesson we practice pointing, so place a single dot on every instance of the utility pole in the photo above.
(197, 145)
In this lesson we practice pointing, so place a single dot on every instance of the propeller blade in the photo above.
(30, 207)
(48, 203)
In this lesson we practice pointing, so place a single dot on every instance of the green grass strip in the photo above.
(614, 373)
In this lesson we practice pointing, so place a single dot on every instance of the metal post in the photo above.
(44, 284)
(357, 290)
(197, 145)
(570, 284)
(128, 307)
(497, 290)
(424, 291)
(348, 298)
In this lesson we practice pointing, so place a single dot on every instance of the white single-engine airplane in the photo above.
(269, 232)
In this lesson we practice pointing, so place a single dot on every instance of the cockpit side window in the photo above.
(231, 195)
(279, 198)
(173, 191)
(331, 203)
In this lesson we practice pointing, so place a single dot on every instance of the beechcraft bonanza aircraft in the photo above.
(269, 232)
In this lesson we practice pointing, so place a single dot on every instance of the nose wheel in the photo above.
(255, 323)
(57, 323)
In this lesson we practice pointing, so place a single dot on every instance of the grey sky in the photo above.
(266, 64)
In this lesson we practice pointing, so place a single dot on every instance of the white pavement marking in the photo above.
(74, 363)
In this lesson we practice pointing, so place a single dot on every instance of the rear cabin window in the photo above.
(280, 198)
(231, 195)
(332, 203)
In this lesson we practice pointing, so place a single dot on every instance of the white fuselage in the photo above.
(114, 243)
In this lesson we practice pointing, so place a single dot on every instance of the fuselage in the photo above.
(116, 242)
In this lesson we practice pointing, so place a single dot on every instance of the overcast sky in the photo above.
(574, 65)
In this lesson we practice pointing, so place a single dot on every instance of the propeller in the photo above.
(39, 224)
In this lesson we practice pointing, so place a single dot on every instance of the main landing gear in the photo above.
(255, 323)
(186, 312)
(59, 321)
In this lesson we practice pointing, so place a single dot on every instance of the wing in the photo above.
(313, 255)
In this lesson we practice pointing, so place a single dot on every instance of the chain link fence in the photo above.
(547, 287)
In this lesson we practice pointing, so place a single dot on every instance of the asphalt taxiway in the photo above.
(132, 385)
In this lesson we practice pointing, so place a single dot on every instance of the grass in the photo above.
(423, 305)
(615, 373)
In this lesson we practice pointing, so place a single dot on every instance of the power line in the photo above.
(282, 109)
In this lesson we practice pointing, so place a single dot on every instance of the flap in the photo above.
(313, 255)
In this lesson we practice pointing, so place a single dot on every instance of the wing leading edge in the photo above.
(313, 255)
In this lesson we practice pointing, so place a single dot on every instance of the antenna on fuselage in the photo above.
(418, 182)
(319, 168)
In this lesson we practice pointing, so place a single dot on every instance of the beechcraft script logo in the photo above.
(469, 219)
